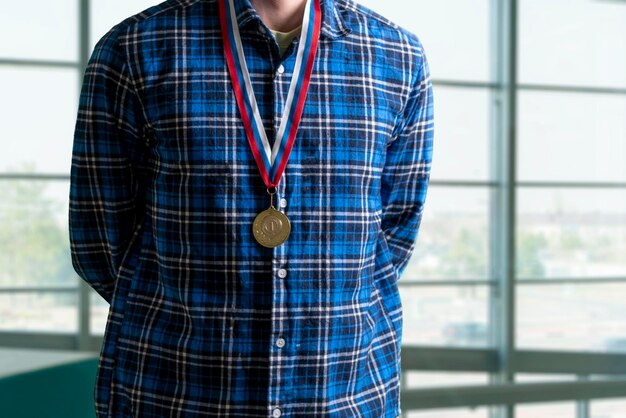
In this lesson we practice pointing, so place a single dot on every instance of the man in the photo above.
(247, 213)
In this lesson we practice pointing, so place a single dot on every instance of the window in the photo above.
(519, 272)
(41, 72)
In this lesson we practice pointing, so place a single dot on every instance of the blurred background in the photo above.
(515, 299)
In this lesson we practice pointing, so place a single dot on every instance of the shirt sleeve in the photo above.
(105, 202)
(407, 171)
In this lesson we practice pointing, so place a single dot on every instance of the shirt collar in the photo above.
(333, 25)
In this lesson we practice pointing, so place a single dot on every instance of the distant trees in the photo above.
(34, 246)
(467, 253)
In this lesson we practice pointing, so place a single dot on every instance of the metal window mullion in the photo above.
(33, 176)
(84, 306)
(572, 89)
(503, 39)
(37, 63)
(582, 405)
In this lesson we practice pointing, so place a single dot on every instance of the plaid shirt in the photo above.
(203, 320)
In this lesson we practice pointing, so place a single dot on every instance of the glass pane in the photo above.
(581, 42)
(39, 29)
(452, 241)
(571, 233)
(34, 241)
(99, 313)
(552, 410)
(572, 317)
(415, 380)
(107, 13)
(445, 315)
(462, 138)
(571, 136)
(51, 311)
(448, 58)
(537, 377)
(39, 108)
(608, 408)
(450, 413)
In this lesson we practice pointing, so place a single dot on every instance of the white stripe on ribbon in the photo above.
(287, 114)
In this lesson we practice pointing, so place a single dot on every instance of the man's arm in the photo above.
(105, 197)
(407, 171)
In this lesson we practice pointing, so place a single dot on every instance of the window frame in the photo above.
(501, 359)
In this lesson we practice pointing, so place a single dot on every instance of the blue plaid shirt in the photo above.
(203, 320)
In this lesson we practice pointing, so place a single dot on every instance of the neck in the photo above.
(280, 15)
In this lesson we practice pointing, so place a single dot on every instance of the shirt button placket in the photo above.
(278, 370)
(279, 373)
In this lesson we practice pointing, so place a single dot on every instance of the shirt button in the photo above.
(282, 273)
(281, 69)
(276, 412)
(280, 342)
(283, 203)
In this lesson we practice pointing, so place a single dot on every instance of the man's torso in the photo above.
(194, 327)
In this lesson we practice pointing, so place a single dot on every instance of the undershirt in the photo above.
(284, 38)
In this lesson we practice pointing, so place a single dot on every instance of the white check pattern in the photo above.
(204, 321)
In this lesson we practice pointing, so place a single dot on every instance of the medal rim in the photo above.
(258, 219)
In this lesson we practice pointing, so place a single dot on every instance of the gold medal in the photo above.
(271, 227)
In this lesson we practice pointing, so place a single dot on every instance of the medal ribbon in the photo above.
(272, 162)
